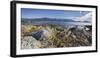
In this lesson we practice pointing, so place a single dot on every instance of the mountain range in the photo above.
(47, 19)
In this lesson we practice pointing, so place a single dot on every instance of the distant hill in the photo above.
(52, 21)
(47, 19)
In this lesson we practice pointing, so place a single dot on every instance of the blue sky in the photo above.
(41, 13)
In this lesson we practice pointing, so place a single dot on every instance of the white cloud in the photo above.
(87, 17)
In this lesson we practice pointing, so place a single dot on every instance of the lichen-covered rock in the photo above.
(29, 43)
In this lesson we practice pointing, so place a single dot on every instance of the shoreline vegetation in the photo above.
(55, 36)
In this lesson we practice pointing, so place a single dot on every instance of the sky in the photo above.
(47, 13)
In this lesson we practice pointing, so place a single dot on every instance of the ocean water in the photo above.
(61, 23)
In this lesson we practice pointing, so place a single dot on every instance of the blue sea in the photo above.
(61, 23)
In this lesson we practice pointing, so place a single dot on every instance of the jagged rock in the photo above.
(37, 35)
